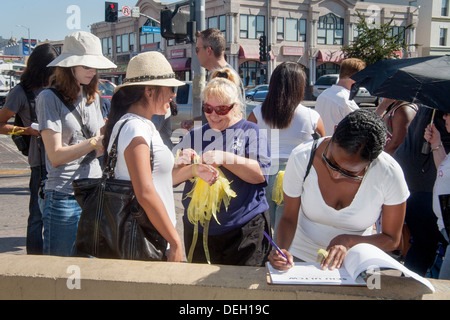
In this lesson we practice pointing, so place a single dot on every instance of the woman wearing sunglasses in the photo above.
(351, 183)
(235, 147)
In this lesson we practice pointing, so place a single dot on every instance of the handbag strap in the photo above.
(112, 156)
(74, 111)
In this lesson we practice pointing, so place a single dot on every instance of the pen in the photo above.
(276, 247)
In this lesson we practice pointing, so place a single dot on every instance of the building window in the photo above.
(327, 68)
(398, 31)
(330, 30)
(444, 8)
(107, 46)
(280, 28)
(295, 30)
(251, 27)
(118, 44)
(443, 37)
(125, 43)
(291, 30)
(218, 22)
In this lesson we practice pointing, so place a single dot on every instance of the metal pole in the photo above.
(199, 74)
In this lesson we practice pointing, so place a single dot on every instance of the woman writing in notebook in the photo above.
(351, 182)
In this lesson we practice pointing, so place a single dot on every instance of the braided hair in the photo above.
(361, 132)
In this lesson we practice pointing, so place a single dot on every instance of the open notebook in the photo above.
(362, 257)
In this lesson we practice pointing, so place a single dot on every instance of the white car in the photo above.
(326, 81)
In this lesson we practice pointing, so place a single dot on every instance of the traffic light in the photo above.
(262, 49)
(111, 11)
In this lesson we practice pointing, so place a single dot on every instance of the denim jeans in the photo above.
(61, 215)
(34, 241)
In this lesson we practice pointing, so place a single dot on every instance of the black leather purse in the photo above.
(112, 224)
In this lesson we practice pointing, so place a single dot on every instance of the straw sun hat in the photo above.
(150, 69)
(82, 48)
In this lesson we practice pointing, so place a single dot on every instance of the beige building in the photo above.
(432, 36)
(311, 32)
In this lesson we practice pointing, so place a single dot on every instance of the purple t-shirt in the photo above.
(244, 139)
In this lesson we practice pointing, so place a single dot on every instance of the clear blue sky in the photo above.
(48, 19)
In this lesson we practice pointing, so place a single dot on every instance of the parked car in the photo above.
(106, 88)
(326, 81)
(258, 93)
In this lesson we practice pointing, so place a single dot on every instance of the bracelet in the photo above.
(16, 133)
(194, 170)
(437, 147)
(93, 143)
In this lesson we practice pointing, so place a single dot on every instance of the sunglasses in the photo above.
(197, 49)
(220, 110)
(342, 172)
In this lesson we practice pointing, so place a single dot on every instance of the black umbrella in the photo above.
(424, 80)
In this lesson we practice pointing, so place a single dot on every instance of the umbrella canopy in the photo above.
(424, 80)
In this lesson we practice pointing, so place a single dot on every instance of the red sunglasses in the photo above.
(220, 110)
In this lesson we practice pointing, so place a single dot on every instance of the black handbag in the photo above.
(113, 224)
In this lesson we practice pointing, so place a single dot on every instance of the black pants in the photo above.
(244, 246)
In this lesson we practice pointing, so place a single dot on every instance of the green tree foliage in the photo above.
(376, 42)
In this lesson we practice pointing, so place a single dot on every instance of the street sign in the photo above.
(146, 29)
(126, 11)
(136, 12)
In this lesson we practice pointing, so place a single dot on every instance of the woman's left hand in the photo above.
(337, 250)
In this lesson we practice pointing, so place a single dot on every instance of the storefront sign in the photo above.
(178, 53)
(293, 51)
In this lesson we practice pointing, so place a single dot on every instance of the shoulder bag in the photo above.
(112, 224)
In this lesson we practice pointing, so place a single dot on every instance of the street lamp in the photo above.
(29, 37)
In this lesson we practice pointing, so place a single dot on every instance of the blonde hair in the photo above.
(225, 91)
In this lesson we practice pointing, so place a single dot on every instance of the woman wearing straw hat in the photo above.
(147, 90)
(69, 116)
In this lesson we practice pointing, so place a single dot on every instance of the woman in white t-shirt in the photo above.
(351, 182)
(441, 186)
(147, 90)
(287, 124)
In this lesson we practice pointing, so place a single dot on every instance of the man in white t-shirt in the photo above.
(334, 104)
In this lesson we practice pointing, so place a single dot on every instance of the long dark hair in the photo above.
(37, 74)
(121, 101)
(286, 91)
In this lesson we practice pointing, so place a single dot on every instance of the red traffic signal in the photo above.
(111, 12)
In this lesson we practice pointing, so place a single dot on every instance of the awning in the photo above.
(330, 56)
(180, 64)
(251, 52)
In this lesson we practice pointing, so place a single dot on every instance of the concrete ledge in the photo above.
(46, 277)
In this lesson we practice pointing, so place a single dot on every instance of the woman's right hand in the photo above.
(207, 173)
(432, 135)
(175, 253)
(279, 262)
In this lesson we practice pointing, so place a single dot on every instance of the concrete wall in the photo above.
(46, 277)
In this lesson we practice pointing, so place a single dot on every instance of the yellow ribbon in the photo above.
(206, 201)
(16, 133)
(277, 191)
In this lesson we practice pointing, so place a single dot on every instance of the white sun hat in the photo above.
(150, 69)
(82, 48)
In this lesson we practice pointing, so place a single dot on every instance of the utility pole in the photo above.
(197, 10)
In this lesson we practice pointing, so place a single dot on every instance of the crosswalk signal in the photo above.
(262, 49)
(111, 11)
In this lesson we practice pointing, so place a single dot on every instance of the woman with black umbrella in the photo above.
(441, 186)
